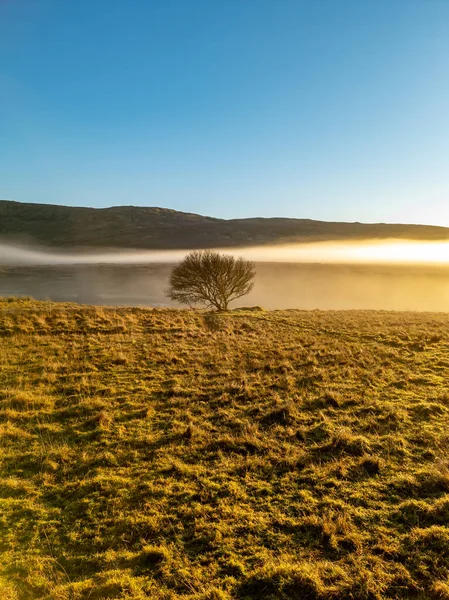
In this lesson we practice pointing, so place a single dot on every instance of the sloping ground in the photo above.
(160, 228)
(176, 454)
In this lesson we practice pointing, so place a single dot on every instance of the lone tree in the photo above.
(211, 278)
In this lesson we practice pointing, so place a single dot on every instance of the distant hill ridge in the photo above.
(162, 228)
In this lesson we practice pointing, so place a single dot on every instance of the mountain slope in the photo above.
(161, 228)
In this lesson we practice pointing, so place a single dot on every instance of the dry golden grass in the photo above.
(178, 454)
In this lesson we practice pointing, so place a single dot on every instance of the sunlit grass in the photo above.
(178, 454)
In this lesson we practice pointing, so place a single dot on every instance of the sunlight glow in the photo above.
(372, 252)
(355, 252)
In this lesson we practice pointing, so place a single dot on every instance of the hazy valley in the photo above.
(123, 256)
(277, 286)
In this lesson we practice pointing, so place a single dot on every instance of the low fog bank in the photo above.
(27, 256)
(277, 285)
(351, 252)
(389, 274)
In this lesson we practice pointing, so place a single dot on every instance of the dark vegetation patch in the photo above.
(178, 454)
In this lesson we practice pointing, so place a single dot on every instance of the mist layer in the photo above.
(369, 251)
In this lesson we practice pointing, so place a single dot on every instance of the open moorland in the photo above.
(170, 454)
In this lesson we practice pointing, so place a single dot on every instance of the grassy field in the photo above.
(171, 454)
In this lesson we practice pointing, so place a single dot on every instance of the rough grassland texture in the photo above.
(177, 454)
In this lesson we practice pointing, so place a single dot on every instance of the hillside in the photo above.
(160, 228)
(175, 454)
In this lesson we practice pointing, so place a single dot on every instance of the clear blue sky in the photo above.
(325, 109)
